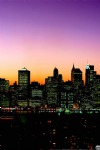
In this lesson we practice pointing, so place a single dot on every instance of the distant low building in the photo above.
(4, 92)
(13, 94)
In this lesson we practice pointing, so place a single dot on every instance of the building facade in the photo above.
(24, 84)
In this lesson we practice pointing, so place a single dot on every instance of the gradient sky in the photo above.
(43, 34)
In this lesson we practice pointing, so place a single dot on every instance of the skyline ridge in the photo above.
(32, 80)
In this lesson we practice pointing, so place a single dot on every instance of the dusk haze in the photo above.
(43, 34)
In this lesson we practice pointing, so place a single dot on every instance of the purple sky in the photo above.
(43, 34)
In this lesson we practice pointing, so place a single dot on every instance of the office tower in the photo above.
(53, 85)
(13, 94)
(88, 92)
(96, 92)
(36, 94)
(4, 92)
(68, 87)
(24, 83)
(76, 77)
(89, 75)
(51, 90)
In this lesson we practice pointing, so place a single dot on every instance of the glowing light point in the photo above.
(87, 66)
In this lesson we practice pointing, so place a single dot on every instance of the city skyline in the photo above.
(42, 35)
(52, 74)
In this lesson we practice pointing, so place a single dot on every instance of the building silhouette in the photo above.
(36, 94)
(95, 93)
(55, 73)
(13, 94)
(24, 84)
(4, 92)
(69, 89)
(53, 87)
(89, 75)
(76, 78)
(55, 92)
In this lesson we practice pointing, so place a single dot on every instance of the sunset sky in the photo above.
(43, 34)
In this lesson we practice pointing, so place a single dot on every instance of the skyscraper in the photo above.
(89, 91)
(76, 76)
(4, 92)
(24, 83)
(51, 90)
(96, 92)
(89, 75)
(53, 85)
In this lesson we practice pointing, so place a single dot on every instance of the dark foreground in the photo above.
(44, 131)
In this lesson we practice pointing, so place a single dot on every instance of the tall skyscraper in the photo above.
(51, 90)
(53, 85)
(24, 83)
(89, 75)
(76, 76)
(89, 79)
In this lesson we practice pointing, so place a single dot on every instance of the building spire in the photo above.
(73, 66)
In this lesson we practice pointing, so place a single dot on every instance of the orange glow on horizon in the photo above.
(40, 74)
(39, 80)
